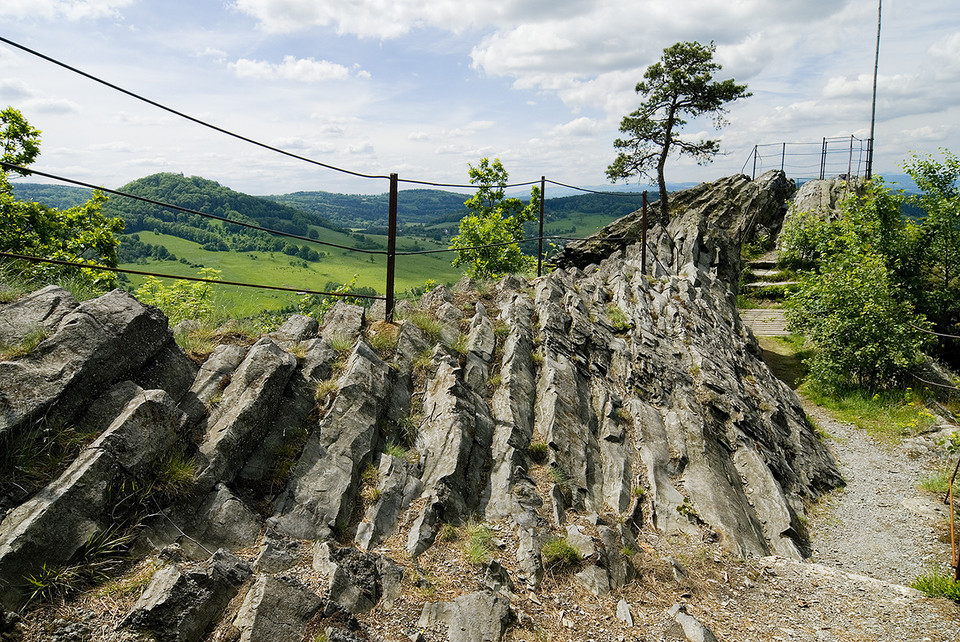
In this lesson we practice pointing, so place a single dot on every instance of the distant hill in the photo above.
(360, 211)
(58, 196)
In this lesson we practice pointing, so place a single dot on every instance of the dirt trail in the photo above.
(880, 525)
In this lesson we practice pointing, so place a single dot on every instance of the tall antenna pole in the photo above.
(873, 110)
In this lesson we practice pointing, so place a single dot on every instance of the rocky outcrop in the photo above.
(597, 403)
(707, 225)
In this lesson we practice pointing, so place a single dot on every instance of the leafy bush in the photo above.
(182, 299)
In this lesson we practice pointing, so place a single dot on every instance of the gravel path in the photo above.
(880, 525)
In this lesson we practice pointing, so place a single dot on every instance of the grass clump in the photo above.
(449, 532)
(426, 323)
(538, 452)
(175, 474)
(938, 584)
(617, 317)
(340, 343)
(479, 543)
(25, 346)
(559, 552)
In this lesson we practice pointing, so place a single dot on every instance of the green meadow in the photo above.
(278, 269)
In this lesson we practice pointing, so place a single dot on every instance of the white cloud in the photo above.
(305, 70)
(418, 137)
(53, 106)
(14, 89)
(384, 20)
(55, 9)
(581, 127)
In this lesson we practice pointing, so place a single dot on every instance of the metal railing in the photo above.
(838, 156)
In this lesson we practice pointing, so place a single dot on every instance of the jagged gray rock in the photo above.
(54, 524)
(97, 343)
(475, 617)
(276, 609)
(323, 489)
(180, 603)
(397, 488)
(358, 581)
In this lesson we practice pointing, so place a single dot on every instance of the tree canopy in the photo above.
(679, 86)
(493, 219)
(79, 234)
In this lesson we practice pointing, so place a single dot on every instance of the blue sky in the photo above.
(423, 89)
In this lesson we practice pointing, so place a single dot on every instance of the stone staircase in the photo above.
(764, 283)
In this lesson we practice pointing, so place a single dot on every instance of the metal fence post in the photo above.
(391, 245)
(543, 187)
(754, 175)
(823, 160)
(783, 156)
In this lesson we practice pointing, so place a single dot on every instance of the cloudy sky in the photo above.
(424, 88)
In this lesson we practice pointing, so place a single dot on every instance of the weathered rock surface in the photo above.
(476, 617)
(179, 604)
(276, 609)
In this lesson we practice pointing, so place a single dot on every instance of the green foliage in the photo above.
(448, 532)
(679, 86)
(19, 140)
(80, 234)
(934, 285)
(182, 299)
(558, 552)
(494, 219)
(863, 334)
(852, 302)
(938, 584)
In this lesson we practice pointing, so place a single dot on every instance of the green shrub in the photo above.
(182, 299)
(938, 584)
(617, 318)
(175, 473)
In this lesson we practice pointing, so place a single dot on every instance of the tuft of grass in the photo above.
(938, 584)
(558, 552)
(383, 338)
(479, 543)
(340, 343)
(938, 482)
(426, 323)
(449, 532)
(175, 474)
(395, 450)
(538, 452)
(25, 346)
(324, 388)
(559, 477)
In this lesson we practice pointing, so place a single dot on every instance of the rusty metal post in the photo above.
(754, 175)
(391, 245)
(643, 236)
